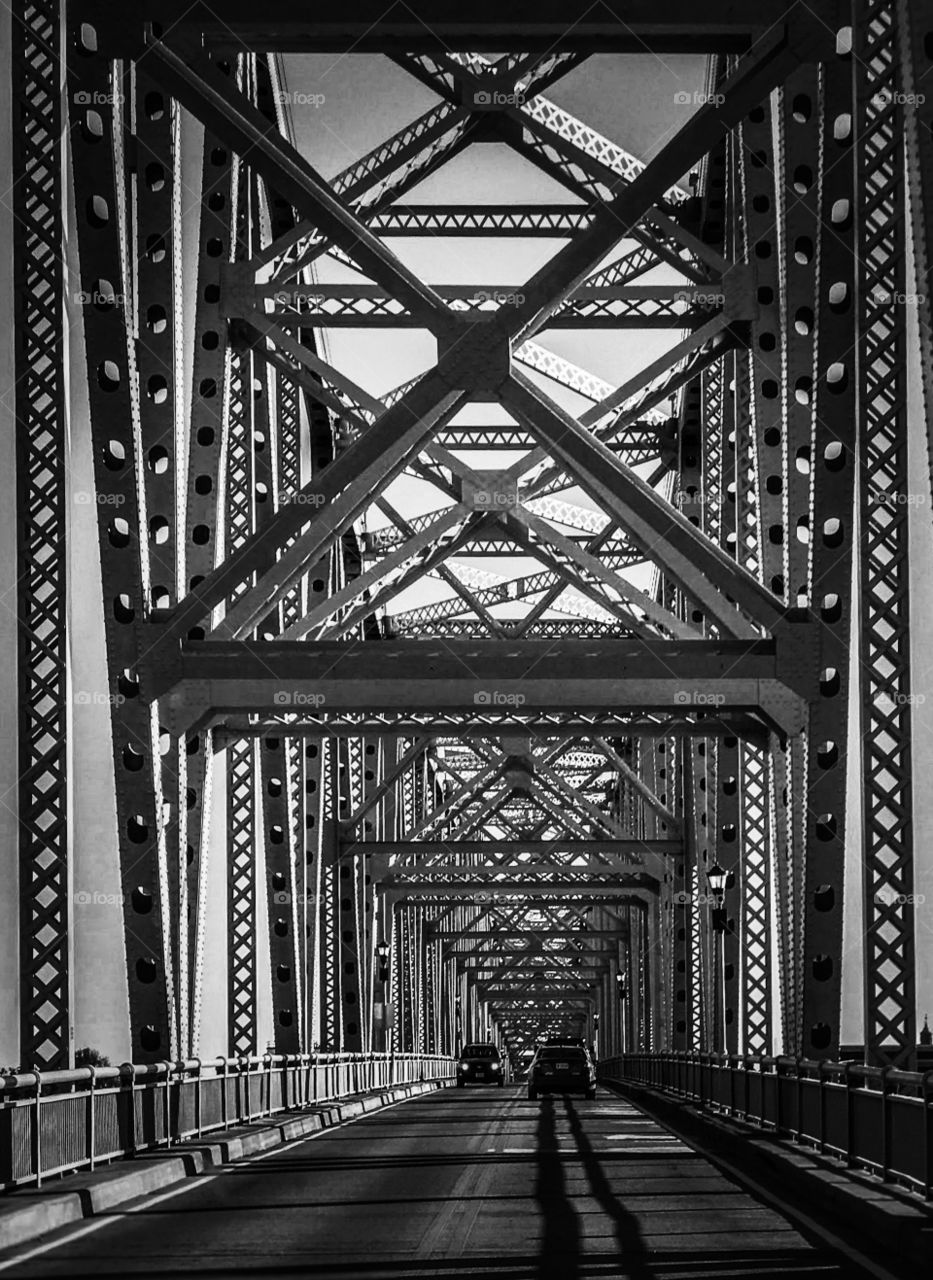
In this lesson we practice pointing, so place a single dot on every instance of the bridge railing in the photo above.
(875, 1118)
(55, 1122)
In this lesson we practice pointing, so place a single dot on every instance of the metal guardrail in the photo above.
(874, 1118)
(56, 1122)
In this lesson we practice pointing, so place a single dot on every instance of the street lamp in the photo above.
(623, 1019)
(717, 877)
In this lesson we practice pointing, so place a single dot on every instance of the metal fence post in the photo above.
(223, 1093)
(130, 1071)
(821, 1093)
(91, 1119)
(198, 1100)
(926, 1095)
(37, 1134)
(167, 1105)
(885, 1126)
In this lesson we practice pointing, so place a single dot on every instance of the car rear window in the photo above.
(562, 1055)
(480, 1051)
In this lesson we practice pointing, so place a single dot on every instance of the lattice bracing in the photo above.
(887, 700)
(39, 374)
(496, 648)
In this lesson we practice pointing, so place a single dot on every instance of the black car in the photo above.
(562, 1069)
(480, 1063)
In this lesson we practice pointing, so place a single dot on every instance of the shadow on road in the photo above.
(632, 1252)
(560, 1242)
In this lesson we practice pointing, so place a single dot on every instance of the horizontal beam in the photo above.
(516, 873)
(465, 220)
(588, 306)
(531, 993)
(477, 972)
(202, 680)
(620, 887)
(406, 848)
(233, 728)
(371, 26)
(532, 933)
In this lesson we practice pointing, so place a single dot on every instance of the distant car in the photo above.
(480, 1063)
(563, 1068)
(521, 1064)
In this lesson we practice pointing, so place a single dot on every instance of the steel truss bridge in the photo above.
(566, 747)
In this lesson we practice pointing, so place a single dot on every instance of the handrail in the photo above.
(46, 1131)
(878, 1119)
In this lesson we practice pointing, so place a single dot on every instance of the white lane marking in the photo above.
(189, 1184)
(636, 1137)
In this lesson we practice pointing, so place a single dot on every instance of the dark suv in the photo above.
(480, 1063)
(562, 1069)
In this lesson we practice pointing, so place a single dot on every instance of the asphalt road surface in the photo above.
(463, 1182)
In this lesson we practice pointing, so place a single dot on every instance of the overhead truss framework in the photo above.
(504, 734)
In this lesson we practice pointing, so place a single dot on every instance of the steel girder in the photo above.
(99, 159)
(570, 25)
(884, 650)
(829, 391)
(41, 601)
(758, 524)
(230, 678)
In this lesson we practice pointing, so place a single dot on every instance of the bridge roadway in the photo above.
(478, 1182)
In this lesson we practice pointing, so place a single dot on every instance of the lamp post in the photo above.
(382, 956)
(623, 996)
(716, 877)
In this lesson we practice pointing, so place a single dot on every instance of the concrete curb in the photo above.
(26, 1215)
(887, 1221)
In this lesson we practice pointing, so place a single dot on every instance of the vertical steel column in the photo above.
(755, 919)
(760, 534)
(730, 791)
(787, 386)
(155, 171)
(39, 374)
(373, 770)
(241, 898)
(329, 982)
(350, 773)
(273, 445)
(204, 522)
(915, 40)
(831, 391)
(313, 917)
(273, 812)
(242, 757)
(97, 138)
(682, 1014)
(884, 650)
(703, 1020)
